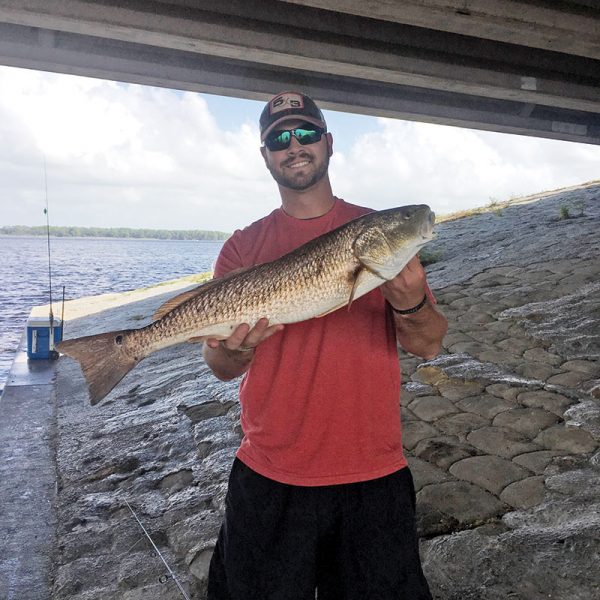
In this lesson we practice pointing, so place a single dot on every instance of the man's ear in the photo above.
(329, 143)
(263, 151)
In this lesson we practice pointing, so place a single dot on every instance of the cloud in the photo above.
(124, 155)
(137, 156)
(452, 169)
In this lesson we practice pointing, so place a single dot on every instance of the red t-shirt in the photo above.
(320, 402)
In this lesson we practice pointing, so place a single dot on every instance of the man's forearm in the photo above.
(421, 333)
(227, 364)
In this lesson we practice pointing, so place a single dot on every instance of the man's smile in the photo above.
(298, 164)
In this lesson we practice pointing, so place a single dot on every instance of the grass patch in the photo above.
(429, 257)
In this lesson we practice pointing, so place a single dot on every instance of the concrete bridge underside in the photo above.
(530, 67)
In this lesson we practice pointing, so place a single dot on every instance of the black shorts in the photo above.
(354, 541)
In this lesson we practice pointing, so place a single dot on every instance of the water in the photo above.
(86, 267)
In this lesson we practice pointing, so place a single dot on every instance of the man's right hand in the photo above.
(231, 357)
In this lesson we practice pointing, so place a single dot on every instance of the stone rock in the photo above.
(525, 493)
(589, 367)
(460, 424)
(425, 473)
(412, 389)
(475, 316)
(489, 472)
(415, 431)
(174, 482)
(206, 410)
(515, 345)
(569, 439)
(541, 355)
(536, 461)
(568, 379)
(431, 408)
(499, 357)
(528, 421)
(555, 403)
(485, 336)
(164, 591)
(200, 563)
(429, 375)
(138, 569)
(443, 451)
(504, 390)
(486, 406)
(500, 441)
(582, 483)
(185, 535)
(407, 415)
(535, 370)
(466, 503)
(455, 389)
(473, 348)
(454, 338)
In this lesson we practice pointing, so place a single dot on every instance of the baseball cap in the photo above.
(289, 105)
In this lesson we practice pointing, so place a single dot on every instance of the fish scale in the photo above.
(319, 277)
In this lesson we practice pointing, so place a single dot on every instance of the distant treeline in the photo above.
(116, 232)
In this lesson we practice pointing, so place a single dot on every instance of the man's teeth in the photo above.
(299, 164)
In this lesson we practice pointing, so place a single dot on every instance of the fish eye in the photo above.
(119, 340)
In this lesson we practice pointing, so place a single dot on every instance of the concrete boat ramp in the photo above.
(502, 432)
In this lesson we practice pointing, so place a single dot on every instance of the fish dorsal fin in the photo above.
(371, 248)
(176, 301)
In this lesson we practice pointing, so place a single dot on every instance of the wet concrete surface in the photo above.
(28, 476)
(502, 430)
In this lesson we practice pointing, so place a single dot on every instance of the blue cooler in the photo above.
(38, 336)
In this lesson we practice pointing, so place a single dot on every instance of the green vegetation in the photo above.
(428, 257)
(564, 212)
(580, 205)
(116, 232)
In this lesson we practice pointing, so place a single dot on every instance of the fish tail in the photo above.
(103, 361)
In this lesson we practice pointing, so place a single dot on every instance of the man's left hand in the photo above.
(407, 288)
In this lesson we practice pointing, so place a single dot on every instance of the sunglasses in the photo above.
(281, 139)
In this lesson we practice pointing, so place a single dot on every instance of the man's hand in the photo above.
(231, 357)
(407, 288)
(421, 332)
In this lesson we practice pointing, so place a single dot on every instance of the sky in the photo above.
(124, 155)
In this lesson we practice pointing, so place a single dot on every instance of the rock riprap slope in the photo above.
(502, 430)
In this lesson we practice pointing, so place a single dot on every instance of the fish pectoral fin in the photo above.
(359, 274)
(371, 248)
(197, 339)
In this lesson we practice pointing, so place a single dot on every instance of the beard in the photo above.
(297, 181)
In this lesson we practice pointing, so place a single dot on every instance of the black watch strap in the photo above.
(414, 309)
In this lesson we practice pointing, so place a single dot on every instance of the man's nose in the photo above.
(294, 146)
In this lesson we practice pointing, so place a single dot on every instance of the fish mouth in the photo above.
(426, 228)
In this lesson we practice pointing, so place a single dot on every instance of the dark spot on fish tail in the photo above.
(119, 340)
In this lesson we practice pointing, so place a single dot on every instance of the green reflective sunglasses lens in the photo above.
(307, 136)
(280, 140)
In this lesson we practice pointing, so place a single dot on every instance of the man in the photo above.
(320, 498)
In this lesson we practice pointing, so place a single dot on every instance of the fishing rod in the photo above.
(171, 574)
(53, 353)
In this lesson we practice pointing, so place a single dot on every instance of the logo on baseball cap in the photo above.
(286, 106)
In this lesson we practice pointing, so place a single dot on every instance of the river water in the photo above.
(86, 267)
